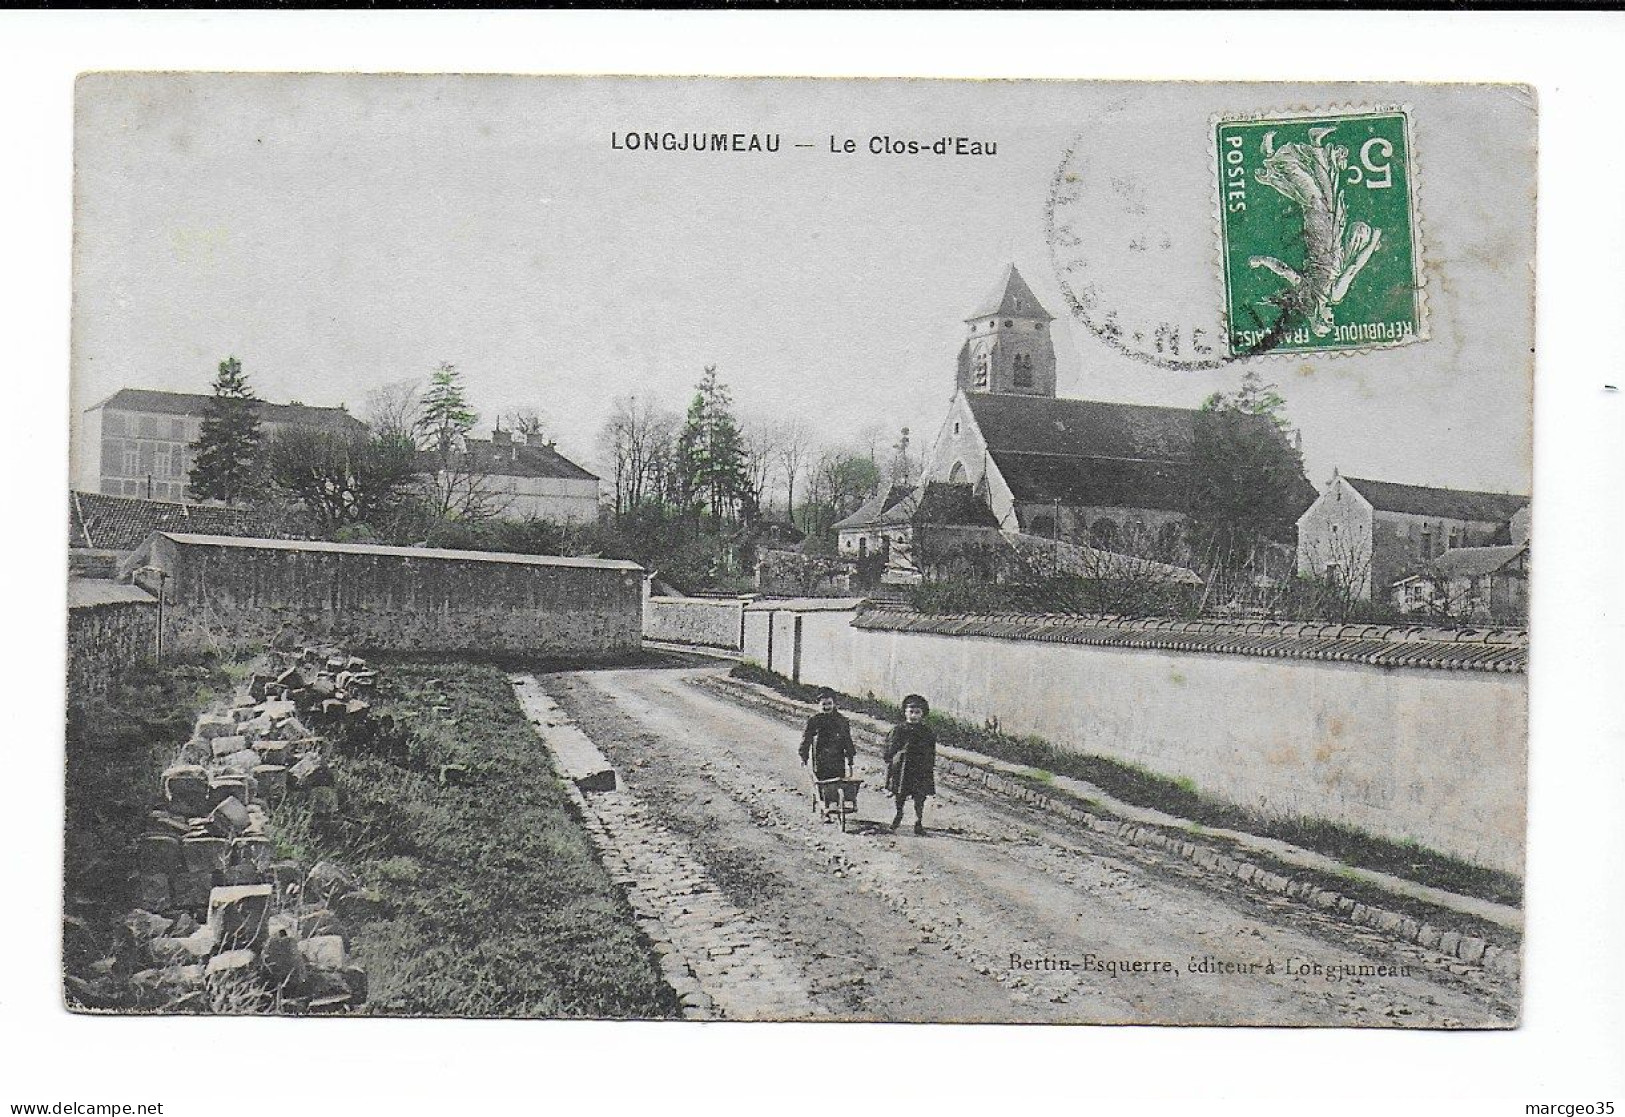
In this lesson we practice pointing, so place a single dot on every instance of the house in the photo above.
(1370, 534)
(1489, 585)
(869, 530)
(138, 442)
(1115, 476)
(521, 478)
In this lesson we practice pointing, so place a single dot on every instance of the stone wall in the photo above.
(1424, 753)
(109, 627)
(711, 622)
(392, 598)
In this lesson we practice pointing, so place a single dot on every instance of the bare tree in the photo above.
(794, 447)
(637, 444)
(524, 421)
(392, 411)
(761, 441)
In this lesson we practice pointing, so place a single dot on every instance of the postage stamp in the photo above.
(1318, 231)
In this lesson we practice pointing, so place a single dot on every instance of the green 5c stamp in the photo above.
(1318, 232)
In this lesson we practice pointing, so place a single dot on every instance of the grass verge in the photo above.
(492, 901)
(1182, 799)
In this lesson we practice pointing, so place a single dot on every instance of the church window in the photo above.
(1024, 371)
(982, 370)
(1008, 323)
(956, 426)
(957, 475)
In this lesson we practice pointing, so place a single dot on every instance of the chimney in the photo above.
(500, 437)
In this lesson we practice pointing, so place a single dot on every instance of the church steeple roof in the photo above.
(1011, 296)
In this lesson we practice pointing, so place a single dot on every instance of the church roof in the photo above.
(1090, 453)
(1083, 427)
(1446, 504)
(1013, 297)
(1095, 482)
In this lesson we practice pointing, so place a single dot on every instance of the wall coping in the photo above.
(1504, 650)
(318, 547)
(805, 604)
(89, 593)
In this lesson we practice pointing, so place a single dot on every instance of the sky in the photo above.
(337, 233)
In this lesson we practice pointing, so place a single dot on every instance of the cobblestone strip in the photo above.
(1469, 949)
(715, 957)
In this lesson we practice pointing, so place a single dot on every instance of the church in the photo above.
(1115, 476)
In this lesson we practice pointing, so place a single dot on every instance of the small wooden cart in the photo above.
(836, 797)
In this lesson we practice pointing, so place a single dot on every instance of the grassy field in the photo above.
(491, 901)
(1183, 799)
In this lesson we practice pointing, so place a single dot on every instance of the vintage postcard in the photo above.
(732, 549)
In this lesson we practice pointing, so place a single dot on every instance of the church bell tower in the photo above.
(1008, 350)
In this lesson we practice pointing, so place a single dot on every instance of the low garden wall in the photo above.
(109, 627)
(1406, 734)
(707, 621)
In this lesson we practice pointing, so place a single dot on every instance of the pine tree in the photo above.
(711, 471)
(226, 455)
(445, 417)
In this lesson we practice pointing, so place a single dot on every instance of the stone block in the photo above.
(191, 889)
(152, 891)
(274, 752)
(276, 711)
(233, 785)
(1428, 936)
(197, 751)
(332, 708)
(242, 761)
(310, 771)
(356, 707)
(1449, 941)
(158, 853)
(324, 952)
(1471, 948)
(210, 726)
(252, 849)
(229, 818)
(258, 728)
(182, 950)
(257, 684)
(225, 746)
(272, 782)
(229, 962)
(294, 730)
(239, 914)
(243, 873)
(186, 789)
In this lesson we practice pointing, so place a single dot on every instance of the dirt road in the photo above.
(997, 913)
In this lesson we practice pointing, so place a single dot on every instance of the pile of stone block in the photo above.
(221, 923)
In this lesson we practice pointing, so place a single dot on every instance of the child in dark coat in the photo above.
(911, 761)
(827, 741)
